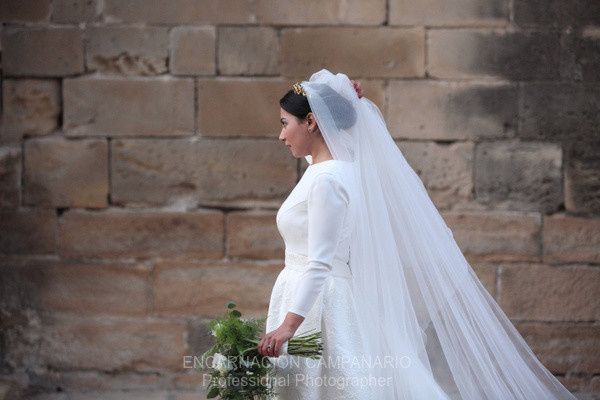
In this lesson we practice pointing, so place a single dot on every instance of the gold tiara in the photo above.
(298, 89)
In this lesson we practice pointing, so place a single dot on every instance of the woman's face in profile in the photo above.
(294, 134)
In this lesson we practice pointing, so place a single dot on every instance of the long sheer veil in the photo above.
(417, 297)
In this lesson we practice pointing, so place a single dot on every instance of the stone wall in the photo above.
(140, 169)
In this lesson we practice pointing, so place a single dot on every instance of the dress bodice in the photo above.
(315, 223)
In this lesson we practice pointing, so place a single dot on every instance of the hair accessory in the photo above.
(298, 89)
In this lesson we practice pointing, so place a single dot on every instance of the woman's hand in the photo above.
(280, 335)
(275, 339)
(358, 89)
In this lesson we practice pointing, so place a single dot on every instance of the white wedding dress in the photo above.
(315, 222)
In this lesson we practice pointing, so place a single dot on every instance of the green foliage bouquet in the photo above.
(238, 371)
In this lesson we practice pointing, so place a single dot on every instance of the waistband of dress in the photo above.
(297, 262)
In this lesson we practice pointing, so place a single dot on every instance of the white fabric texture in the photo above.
(412, 295)
(327, 201)
(316, 283)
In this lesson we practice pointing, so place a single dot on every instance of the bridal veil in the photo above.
(418, 298)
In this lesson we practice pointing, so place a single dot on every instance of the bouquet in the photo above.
(238, 371)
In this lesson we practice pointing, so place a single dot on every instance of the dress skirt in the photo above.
(340, 373)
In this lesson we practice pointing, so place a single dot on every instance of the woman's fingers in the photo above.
(273, 341)
(357, 88)
(271, 351)
(262, 345)
(265, 350)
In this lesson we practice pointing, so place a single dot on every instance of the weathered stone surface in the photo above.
(445, 169)
(66, 173)
(586, 53)
(451, 110)
(191, 381)
(154, 172)
(27, 231)
(264, 12)
(10, 176)
(365, 52)
(585, 386)
(127, 50)
(580, 54)
(550, 293)
(199, 339)
(553, 110)
(109, 344)
(497, 236)
(556, 13)
(253, 235)
(76, 11)
(244, 172)
(582, 177)
(514, 55)
(24, 10)
(449, 13)
(564, 348)
(516, 175)
(177, 288)
(248, 51)
(86, 288)
(223, 106)
(128, 107)
(101, 383)
(571, 239)
(185, 173)
(486, 273)
(375, 90)
(31, 107)
(193, 50)
(141, 234)
(42, 51)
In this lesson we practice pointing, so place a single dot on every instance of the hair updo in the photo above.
(341, 109)
(295, 104)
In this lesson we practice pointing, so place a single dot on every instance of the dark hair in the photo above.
(342, 111)
(295, 104)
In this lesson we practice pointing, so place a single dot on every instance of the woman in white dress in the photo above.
(313, 291)
(371, 264)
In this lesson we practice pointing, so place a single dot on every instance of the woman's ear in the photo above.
(310, 118)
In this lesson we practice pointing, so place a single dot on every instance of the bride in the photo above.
(370, 263)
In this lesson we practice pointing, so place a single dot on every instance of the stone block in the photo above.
(248, 51)
(141, 234)
(358, 52)
(438, 110)
(42, 51)
(497, 236)
(449, 13)
(177, 288)
(568, 239)
(525, 176)
(31, 107)
(127, 50)
(27, 231)
(445, 169)
(493, 54)
(253, 235)
(536, 292)
(193, 50)
(115, 106)
(66, 173)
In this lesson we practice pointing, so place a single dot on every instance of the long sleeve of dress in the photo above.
(327, 209)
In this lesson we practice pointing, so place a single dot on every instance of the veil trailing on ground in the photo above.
(418, 298)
